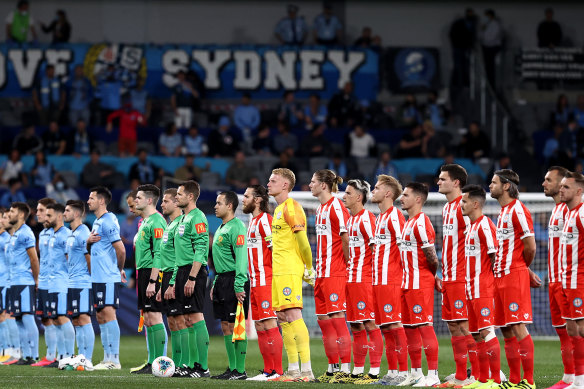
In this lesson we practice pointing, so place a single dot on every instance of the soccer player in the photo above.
(451, 180)
(4, 286)
(551, 188)
(12, 338)
(80, 301)
(332, 254)
(259, 255)
(512, 278)
(387, 278)
(42, 295)
(231, 285)
(480, 248)
(291, 263)
(419, 263)
(24, 271)
(572, 275)
(108, 255)
(147, 252)
(191, 243)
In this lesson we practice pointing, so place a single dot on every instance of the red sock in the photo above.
(578, 343)
(344, 339)
(266, 355)
(526, 353)
(414, 346)
(390, 350)
(460, 351)
(430, 346)
(359, 348)
(375, 347)
(513, 359)
(483, 373)
(401, 347)
(494, 354)
(275, 345)
(471, 345)
(566, 347)
(329, 339)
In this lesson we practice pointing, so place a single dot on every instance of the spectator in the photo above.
(503, 162)
(43, 171)
(195, 143)
(54, 139)
(551, 149)
(189, 171)
(124, 198)
(562, 113)
(19, 22)
(337, 165)
(579, 111)
(97, 173)
(411, 144)
(110, 90)
(170, 141)
(285, 140)
(316, 144)
(285, 162)
(12, 168)
(292, 29)
(59, 190)
(128, 230)
(79, 95)
(409, 112)
(436, 112)
(365, 39)
(60, 28)
(183, 96)
(290, 111)
(315, 113)
(140, 100)
(80, 142)
(570, 143)
(385, 165)
(475, 143)
(262, 143)
(145, 171)
(13, 194)
(462, 38)
(491, 41)
(328, 29)
(48, 96)
(129, 119)
(432, 147)
(549, 32)
(342, 108)
(246, 118)
(239, 173)
(359, 143)
(223, 142)
(27, 142)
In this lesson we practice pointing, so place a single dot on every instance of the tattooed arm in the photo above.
(432, 258)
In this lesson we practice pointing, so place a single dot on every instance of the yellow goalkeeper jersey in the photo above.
(289, 217)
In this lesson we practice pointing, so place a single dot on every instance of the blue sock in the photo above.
(68, 338)
(51, 341)
(24, 345)
(89, 340)
(60, 341)
(105, 341)
(113, 334)
(14, 334)
(80, 339)
(32, 332)
(3, 336)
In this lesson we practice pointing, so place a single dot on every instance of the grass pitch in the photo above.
(548, 368)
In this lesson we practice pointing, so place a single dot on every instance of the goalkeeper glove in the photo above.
(309, 276)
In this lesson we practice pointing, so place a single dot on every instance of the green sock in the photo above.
(184, 343)
(149, 340)
(158, 340)
(230, 350)
(175, 338)
(240, 354)
(193, 350)
(202, 342)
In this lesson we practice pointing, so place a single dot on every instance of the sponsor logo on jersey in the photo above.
(200, 227)
(181, 229)
(158, 233)
(240, 240)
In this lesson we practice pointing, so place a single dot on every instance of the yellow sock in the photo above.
(302, 341)
(290, 343)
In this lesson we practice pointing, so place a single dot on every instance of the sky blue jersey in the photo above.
(58, 269)
(104, 263)
(4, 272)
(18, 259)
(79, 276)
(44, 237)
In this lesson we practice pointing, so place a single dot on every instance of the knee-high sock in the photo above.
(165, 348)
(460, 350)
(61, 342)
(185, 346)
(578, 342)
(202, 343)
(230, 349)
(289, 340)
(430, 346)
(329, 339)
(344, 339)
(390, 350)
(3, 336)
(104, 342)
(566, 347)
(193, 350)
(149, 346)
(113, 337)
(157, 334)
(302, 342)
(513, 359)
(24, 344)
(89, 340)
(175, 339)
(51, 341)
(494, 353)
(471, 345)
(14, 337)
(483, 373)
(80, 339)
(401, 347)
(275, 345)
(68, 338)
(375, 348)
(414, 346)
(240, 355)
(33, 334)
(359, 348)
(526, 353)
(263, 346)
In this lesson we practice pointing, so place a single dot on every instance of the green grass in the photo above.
(548, 368)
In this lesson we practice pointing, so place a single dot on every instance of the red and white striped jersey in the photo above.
(513, 225)
(572, 249)
(418, 234)
(361, 229)
(480, 241)
(387, 267)
(555, 228)
(259, 254)
(454, 224)
(331, 222)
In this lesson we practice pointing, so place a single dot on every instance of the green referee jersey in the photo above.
(148, 241)
(191, 239)
(230, 251)
(167, 256)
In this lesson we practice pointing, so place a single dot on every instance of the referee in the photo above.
(232, 283)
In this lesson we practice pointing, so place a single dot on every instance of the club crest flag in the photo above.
(239, 327)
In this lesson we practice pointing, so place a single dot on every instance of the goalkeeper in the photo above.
(231, 286)
(291, 258)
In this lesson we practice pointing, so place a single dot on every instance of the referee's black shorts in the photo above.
(172, 307)
(196, 302)
(144, 303)
(224, 300)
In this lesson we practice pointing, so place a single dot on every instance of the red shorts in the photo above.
(387, 303)
(513, 298)
(329, 295)
(417, 306)
(574, 301)
(261, 303)
(558, 304)
(454, 301)
(360, 302)
(481, 314)
(127, 145)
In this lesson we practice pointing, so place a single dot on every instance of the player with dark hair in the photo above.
(4, 286)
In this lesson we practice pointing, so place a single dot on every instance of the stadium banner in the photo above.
(560, 63)
(413, 69)
(225, 71)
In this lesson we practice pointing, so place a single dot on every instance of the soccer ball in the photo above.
(163, 367)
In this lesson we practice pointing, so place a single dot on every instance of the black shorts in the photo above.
(8, 299)
(79, 302)
(224, 300)
(58, 304)
(172, 307)
(3, 291)
(144, 303)
(43, 303)
(196, 302)
(106, 295)
(22, 299)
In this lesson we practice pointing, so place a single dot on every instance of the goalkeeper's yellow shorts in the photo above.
(286, 292)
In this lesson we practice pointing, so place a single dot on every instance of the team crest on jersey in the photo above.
(361, 305)
(99, 295)
(334, 297)
(577, 302)
(485, 312)
(513, 307)
(181, 229)
(287, 291)
(417, 308)
(265, 304)
(387, 308)
(458, 304)
(279, 215)
(165, 237)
